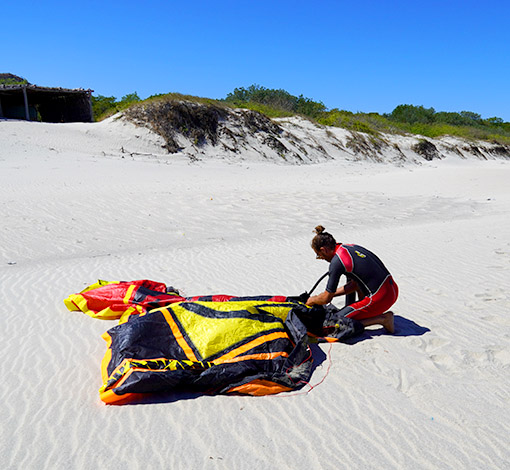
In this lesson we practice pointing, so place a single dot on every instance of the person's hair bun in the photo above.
(323, 239)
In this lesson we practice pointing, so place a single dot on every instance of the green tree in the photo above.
(412, 114)
(471, 117)
(494, 121)
(102, 105)
(309, 107)
(454, 119)
(130, 98)
(275, 98)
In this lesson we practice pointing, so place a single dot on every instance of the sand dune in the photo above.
(75, 208)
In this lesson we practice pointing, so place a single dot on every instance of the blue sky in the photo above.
(360, 55)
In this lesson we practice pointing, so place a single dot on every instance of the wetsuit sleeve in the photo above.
(336, 269)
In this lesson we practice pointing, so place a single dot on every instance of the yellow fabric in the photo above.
(73, 302)
(129, 293)
(212, 335)
(128, 312)
(76, 302)
(178, 336)
(252, 344)
(128, 366)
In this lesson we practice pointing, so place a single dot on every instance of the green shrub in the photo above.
(11, 79)
(277, 103)
(105, 106)
(412, 114)
(353, 122)
(269, 111)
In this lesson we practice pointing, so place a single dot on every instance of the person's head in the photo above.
(324, 244)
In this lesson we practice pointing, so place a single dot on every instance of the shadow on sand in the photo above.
(403, 327)
(319, 356)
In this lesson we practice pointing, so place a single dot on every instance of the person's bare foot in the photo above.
(388, 322)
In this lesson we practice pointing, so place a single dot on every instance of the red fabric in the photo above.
(114, 296)
(376, 304)
(345, 257)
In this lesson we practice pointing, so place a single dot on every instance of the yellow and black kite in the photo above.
(216, 344)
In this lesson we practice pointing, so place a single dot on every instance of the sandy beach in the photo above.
(81, 202)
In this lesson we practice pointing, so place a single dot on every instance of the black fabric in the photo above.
(328, 322)
(312, 318)
(150, 337)
(299, 298)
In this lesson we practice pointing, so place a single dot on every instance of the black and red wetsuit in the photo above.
(372, 277)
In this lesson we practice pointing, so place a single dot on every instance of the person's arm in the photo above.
(350, 287)
(321, 299)
(326, 297)
(336, 269)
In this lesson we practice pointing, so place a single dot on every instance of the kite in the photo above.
(215, 344)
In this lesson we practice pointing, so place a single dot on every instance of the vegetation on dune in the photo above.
(467, 124)
(403, 119)
(268, 110)
(276, 103)
(418, 120)
(105, 106)
(11, 79)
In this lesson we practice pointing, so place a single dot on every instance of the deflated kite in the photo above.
(216, 344)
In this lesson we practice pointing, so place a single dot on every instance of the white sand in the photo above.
(434, 396)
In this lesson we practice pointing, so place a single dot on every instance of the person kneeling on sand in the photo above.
(366, 275)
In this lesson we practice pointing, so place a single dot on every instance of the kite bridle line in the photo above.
(317, 283)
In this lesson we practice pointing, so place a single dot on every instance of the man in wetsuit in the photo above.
(366, 275)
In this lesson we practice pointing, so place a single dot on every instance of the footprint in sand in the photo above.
(433, 344)
(402, 383)
(444, 362)
(436, 291)
(430, 344)
(495, 356)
